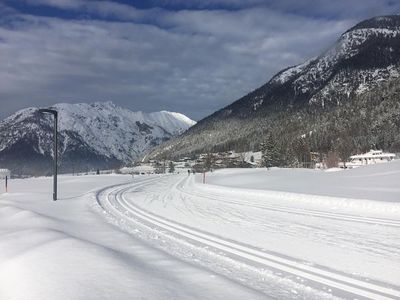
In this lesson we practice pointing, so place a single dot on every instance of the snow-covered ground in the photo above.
(375, 182)
(245, 234)
(65, 250)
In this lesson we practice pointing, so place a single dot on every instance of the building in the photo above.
(369, 158)
(142, 169)
(4, 173)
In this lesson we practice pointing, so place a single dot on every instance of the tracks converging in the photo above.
(113, 200)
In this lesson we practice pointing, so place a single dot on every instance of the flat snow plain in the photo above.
(376, 182)
(245, 234)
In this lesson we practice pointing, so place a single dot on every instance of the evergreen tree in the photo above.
(209, 161)
(344, 147)
(270, 153)
(171, 167)
(301, 151)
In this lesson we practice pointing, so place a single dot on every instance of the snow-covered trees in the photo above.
(301, 151)
(270, 153)
(344, 146)
(370, 120)
(209, 161)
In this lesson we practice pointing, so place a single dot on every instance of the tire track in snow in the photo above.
(115, 203)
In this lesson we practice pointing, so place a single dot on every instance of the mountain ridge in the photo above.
(361, 60)
(96, 135)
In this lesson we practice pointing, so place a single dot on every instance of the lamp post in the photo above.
(55, 151)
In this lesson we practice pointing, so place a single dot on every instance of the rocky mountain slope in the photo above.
(98, 135)
(304, 98)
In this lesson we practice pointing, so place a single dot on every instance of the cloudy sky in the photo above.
(190, 56)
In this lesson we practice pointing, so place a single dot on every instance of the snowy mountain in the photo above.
(364, 56)
(306, 98)
(97, 135)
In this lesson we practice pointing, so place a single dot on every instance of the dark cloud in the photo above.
(190, 60)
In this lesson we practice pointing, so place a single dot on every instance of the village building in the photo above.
(371, 157)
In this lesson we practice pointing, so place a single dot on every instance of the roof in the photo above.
(373, 154)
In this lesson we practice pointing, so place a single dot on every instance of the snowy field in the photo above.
(245, 234)
(375, 182)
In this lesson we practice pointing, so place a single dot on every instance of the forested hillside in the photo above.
(345, 100)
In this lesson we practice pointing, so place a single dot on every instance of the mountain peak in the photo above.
(370, 51)
(363, 59)
(380, 22)
(96, 135)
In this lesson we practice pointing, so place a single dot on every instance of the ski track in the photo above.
(308, 212)
(324, 282)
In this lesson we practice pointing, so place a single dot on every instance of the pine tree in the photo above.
(301, 150)
(171, 167)
(344, 147)
(270, 154)
(209, 161)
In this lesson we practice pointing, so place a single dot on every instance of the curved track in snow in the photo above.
(308, 212)
(119, 203)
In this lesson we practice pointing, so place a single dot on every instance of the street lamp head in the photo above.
(48, 111)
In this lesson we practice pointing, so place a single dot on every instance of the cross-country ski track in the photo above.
(278, 275)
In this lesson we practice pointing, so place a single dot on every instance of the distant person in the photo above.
(188, 172)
